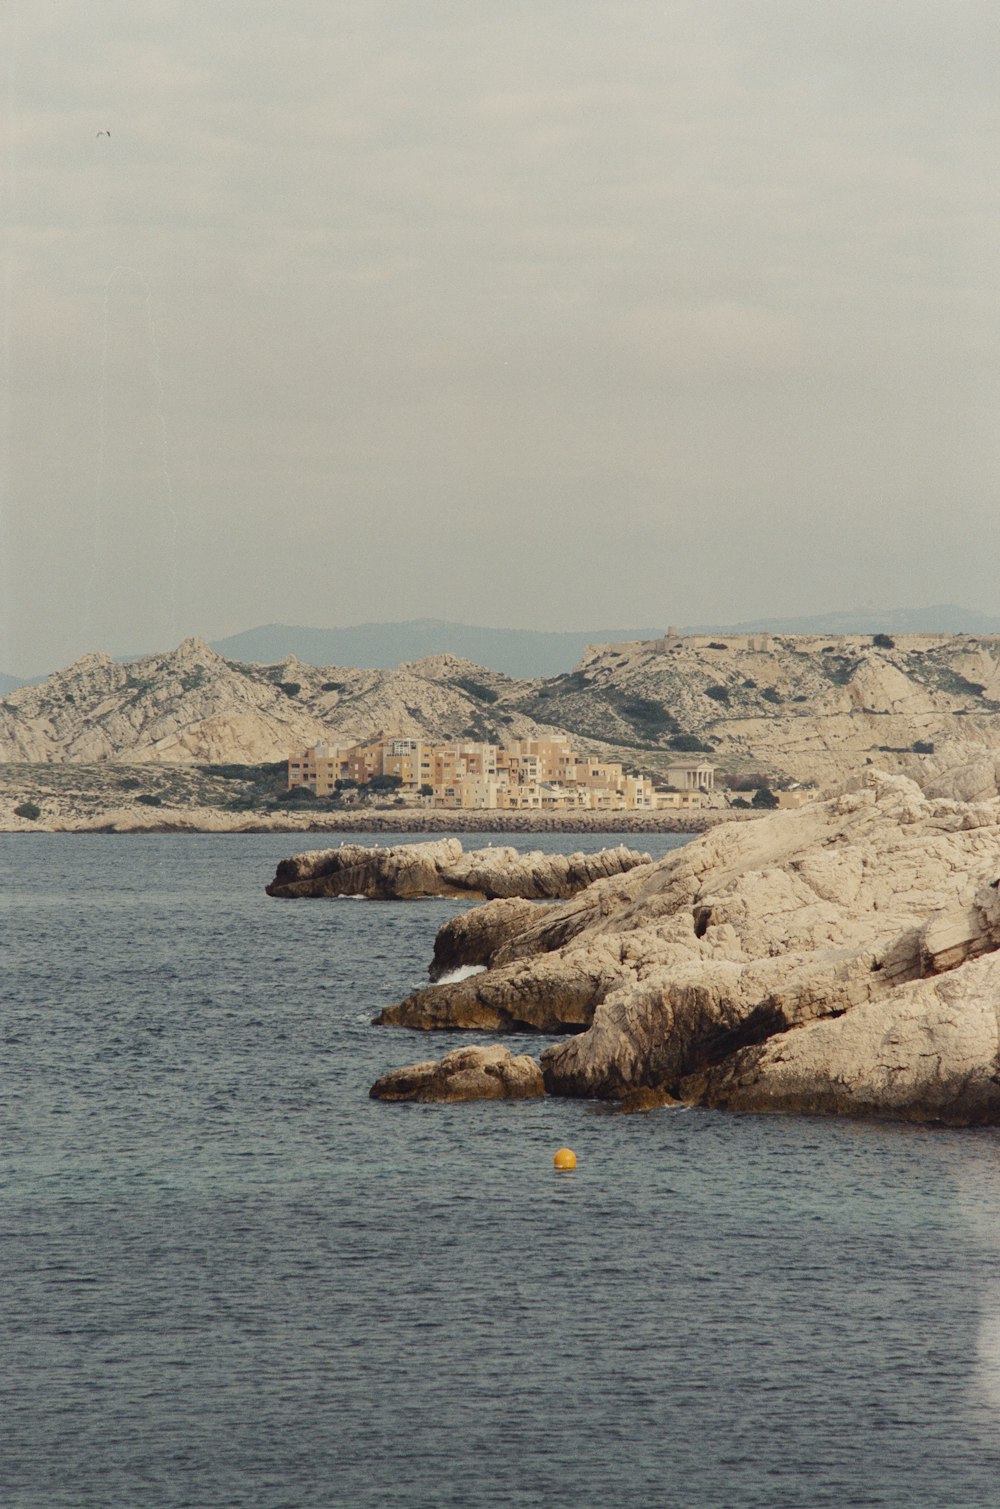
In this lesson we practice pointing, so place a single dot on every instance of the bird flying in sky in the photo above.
(104, 133)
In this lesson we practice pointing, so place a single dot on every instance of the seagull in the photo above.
(104, 133)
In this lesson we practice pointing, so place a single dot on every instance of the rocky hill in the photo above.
(524, 653)
(191, 705)
(809, 709)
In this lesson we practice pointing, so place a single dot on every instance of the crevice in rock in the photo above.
(766, 1020)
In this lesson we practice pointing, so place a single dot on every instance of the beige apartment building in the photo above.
(525, 775)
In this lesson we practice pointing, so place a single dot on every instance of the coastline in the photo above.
(209, 820)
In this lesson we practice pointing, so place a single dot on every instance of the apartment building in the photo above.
(524, 775)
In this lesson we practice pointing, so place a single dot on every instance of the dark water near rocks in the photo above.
(229, 1279)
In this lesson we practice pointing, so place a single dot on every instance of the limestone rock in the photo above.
(443, 868)
(465, 1074)
(476, 936)
(190, 704)
(403, 872)
(814, 709)
(545, 995)
(710, 972)
(928, 1052)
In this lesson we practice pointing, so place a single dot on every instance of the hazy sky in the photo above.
(542, 313)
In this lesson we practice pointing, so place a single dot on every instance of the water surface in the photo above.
(230, 1279)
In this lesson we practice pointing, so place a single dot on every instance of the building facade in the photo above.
(524, 775)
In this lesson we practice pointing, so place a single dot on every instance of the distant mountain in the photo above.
(943, 619)
(532, 654)
(10, 683)
(526, 654)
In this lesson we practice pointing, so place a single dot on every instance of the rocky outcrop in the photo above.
(928, 1052)
(552, 994)
(814, 709)
(476, 937)
(840, 957)
(442, 868)
(465, 1074)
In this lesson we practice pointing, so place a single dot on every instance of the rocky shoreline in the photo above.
(842, 959)
(164, 819)
(407, 872)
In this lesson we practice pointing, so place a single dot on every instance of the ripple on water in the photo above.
(231, 1279)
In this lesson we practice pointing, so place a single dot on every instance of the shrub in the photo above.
(841, 673)
(738, 801)
(649, 717)
(770, 695)
(883, 641)
(296, 794)
(29, 810)
(148, 799)
(922, 746)
(385, 783)
(130, 783)
(717, 693)
(750, 683)
(332, 686)
(716, 645)
(477, 690)
(290, 688)
(752, 781)
(765, 797)
(426, 790)
(689, 744)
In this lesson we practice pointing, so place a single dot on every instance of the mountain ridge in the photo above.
(806, 709)
(527, 654)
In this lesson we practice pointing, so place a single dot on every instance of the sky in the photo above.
(543, 313)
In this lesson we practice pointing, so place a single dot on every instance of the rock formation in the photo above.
(465, 1074)
(812, 709)
(442, 868)
(843, 957)
(477, 937)
(192, 705)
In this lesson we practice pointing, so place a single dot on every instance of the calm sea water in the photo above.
(229, 1279)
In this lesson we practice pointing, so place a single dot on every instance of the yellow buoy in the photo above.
(565, 1158)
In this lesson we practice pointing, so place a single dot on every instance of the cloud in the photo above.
(469, 265)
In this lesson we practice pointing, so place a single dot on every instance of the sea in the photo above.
(228, 1278)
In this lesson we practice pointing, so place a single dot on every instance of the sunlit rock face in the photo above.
(802, 708)
(465, 1074)
(443, 868)
(191, 705)
(842, 957)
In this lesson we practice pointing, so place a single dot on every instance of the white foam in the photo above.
(463, 972)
